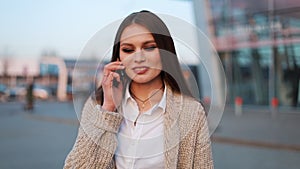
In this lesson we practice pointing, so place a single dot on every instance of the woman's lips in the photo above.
(140, 70)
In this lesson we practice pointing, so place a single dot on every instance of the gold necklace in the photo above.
(144, 101)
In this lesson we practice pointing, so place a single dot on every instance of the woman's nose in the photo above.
(139, 57)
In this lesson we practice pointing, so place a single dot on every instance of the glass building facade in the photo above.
(258, 42)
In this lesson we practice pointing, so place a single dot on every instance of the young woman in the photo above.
(143, 115)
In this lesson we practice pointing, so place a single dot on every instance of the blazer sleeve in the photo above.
(203, 155)
(96, 141)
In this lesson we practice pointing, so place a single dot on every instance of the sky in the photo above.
(31, 27)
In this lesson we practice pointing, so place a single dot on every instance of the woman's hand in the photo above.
(112, 93)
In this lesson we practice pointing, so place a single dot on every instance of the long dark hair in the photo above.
(171, 71)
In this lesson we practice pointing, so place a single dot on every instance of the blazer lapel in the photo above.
(171, 129)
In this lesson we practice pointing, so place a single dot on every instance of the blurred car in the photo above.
(40, 92)
(19, 92)
(14, 93)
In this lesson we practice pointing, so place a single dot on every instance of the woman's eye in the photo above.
(150, 48)
(125, 50)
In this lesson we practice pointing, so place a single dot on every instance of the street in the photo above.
(35, 140)
(43, 138)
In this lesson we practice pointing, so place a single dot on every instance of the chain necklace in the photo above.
(144, 101)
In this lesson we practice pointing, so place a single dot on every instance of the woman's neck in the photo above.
(147, 94)
(143, 90)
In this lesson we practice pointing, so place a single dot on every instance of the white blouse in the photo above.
(141, 146)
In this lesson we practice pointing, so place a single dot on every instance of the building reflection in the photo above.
(258, 42)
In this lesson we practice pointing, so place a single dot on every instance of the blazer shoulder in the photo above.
(193, 104)
(191, 109)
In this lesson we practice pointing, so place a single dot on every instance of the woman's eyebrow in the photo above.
(144, 43)
(150, 41)
(126, 44)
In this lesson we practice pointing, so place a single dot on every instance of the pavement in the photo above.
(255, 139)
(258, 139)
(36, 140)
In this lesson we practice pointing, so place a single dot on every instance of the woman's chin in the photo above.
(145, 80)
(141, 80)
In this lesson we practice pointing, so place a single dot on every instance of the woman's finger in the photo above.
(108, 80)
(113, 67)
(116, 76)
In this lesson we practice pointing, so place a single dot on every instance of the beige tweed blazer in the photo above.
(186, 137)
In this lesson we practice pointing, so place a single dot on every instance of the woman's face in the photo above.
(139, 54)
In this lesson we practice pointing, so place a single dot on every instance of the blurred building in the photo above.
(52, 74)
(14, 71)
(258, 42)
